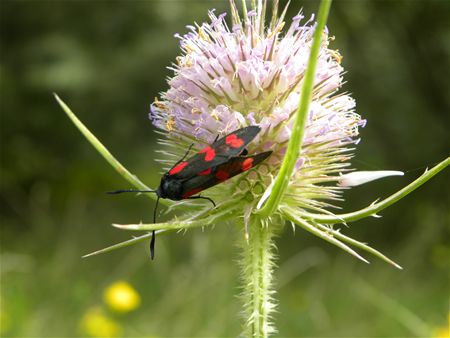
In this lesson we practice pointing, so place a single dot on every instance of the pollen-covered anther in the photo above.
(337, 56)
(214, 115)
(170, 124)
(202, 35)
(160, 105)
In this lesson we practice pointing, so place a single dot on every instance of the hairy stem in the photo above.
(257, 264)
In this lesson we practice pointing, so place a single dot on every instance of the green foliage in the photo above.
(108, 59)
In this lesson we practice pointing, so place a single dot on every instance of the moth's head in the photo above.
(170, 188)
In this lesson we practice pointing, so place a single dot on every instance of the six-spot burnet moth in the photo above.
(216, 163)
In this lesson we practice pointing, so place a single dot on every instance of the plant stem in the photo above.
(295, 143)
(257, 275)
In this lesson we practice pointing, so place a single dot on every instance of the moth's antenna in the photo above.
(152, 242)
(129, 190)
(154, 210)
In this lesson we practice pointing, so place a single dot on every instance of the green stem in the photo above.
(257, 271)
(102, 149)
(295, 143)
(372, 209)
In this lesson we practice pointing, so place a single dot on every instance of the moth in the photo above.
(223, 159)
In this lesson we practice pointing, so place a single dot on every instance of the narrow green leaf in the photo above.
(372, 209)
(174, 225)
(291, 215)
(213, 217)
(126, 243)
(325, 235)
(132, 179)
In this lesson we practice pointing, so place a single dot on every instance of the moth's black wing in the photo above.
(234, 143)
(221, 151)
(212, 176)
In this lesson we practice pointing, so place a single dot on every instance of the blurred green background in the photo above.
(107, 60)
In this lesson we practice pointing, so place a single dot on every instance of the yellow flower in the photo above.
(121, 297)
(443, 332)
(4, 322)
(96, 324)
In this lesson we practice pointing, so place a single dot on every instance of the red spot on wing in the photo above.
(191, 192)
(178, 168)
(222, 175)
(247, 164)
(209, 152)
(233, 141)
(205, 172)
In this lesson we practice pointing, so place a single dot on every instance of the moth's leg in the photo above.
(202, 197)
(184, 156)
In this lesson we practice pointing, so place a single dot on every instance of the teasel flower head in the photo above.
(241, 74)
(248, 73)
